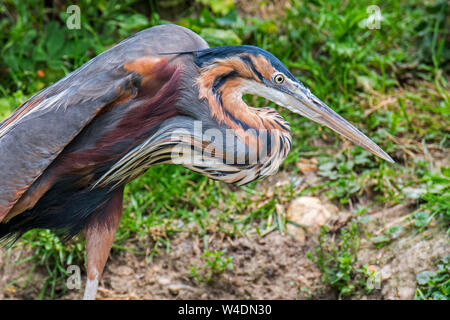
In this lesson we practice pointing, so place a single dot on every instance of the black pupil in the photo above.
(279, 79)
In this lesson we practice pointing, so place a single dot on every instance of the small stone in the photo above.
(297, 232)
(175, 288)
(406, 293)
(124, 271)
(385, 273)
(306, 165)
(164, 280)
(11, 289)
(310, 212)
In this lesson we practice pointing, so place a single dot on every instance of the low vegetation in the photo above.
(391, 81)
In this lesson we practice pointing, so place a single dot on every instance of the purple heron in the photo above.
(67, 153)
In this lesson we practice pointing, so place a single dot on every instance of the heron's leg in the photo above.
(99, 233)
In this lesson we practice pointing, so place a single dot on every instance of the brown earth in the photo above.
(270, 267)
(273, 267)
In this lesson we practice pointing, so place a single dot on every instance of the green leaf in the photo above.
(219, 37)
(446, 171)
(129, 22)
(422, 219)
(380, 239)
(55, 64)
(219, 7)
(54, 36)
(425, 276)
(39, 54)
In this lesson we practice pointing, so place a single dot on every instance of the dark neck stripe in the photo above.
(248, 61)
(282, 126)
(241, 123)
(220, 80)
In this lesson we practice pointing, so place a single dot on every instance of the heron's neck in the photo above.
(224, 95)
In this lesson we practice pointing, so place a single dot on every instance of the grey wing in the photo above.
(39, 130)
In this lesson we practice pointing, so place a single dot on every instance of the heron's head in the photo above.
(243, 69)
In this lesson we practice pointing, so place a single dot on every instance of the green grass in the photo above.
(215, 263)
(391, 82)
(336, 257)
(434, 284)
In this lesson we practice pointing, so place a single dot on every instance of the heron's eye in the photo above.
(278, 78)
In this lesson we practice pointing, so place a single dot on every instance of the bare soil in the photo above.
(271, 267)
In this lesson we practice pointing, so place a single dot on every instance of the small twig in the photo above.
(384, 103)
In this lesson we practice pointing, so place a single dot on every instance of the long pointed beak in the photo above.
(308, 105)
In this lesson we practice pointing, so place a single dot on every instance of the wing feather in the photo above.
(37, 133)
(40, 129)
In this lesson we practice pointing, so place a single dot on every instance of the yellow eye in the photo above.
(278, 78)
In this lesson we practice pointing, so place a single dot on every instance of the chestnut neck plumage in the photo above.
(223, 85)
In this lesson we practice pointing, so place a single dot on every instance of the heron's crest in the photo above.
(208, 56)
